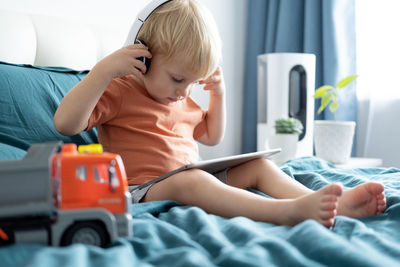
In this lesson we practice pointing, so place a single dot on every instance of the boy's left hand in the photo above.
(215, 83)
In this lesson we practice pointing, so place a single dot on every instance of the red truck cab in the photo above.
(89, 179)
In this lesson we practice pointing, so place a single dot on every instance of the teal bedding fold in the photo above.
(29, 97)
(169, 234)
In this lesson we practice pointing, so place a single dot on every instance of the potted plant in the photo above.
(287, 131)
(333, 139)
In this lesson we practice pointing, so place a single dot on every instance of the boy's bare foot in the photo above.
(320, 205)
(363, 200)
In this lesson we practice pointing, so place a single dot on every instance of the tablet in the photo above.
(216, 165)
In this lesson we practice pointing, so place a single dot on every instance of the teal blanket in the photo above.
(169, 234)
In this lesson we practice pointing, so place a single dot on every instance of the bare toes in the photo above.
(381, 202)
(329, 198)
(328, 223)
(381, 208)
(380, 196)
(333, 189)
(325, 215)
(374, 188)
(329, 205)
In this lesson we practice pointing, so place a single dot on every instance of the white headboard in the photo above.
(52, 41)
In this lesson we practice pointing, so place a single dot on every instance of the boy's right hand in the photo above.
(124, 62)
(74, 111)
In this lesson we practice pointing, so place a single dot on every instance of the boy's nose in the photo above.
(182, 92)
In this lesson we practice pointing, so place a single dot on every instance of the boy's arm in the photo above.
(75, 109)
(216, 117)
(73, 113)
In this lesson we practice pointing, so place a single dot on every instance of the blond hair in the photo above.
(184, 28)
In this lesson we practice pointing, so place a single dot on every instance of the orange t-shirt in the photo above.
(151, 138)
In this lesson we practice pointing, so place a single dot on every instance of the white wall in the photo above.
(230, 16)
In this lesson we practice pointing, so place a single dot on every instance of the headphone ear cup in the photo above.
(145, 60)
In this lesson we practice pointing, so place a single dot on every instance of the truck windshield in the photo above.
(100, 173)
(105, 173)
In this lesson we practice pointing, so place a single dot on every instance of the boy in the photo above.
(148, 117)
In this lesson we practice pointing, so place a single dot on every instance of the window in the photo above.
(81, 172)
(378, 48)
(105, 173)
(113, 174)
(100, 173)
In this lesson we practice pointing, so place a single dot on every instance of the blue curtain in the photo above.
(325, 28)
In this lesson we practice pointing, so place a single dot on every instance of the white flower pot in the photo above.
(288, 144)
(333, 140)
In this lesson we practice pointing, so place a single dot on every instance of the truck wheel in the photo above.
(89, 233)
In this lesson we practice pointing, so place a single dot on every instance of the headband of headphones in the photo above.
(140, 19)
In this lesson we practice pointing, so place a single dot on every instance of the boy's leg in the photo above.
(198, 188)
(266, 177)
(363, 200)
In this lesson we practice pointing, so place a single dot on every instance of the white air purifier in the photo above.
(286, 84)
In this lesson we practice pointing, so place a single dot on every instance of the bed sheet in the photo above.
(167, 233)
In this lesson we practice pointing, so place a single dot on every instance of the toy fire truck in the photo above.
(65, 197)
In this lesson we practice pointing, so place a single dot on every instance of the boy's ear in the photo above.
(145, 60)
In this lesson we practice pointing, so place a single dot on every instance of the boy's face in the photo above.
(167, 81)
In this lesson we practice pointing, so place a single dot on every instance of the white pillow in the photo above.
(64, 43)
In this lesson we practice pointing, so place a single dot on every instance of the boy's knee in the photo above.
(178, 187)
(190, 180)
(261, 163)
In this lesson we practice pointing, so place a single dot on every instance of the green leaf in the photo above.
(333, 106)
(321, 108)
(324, 102)
(321, 91)
(288, 125)
(346, 81)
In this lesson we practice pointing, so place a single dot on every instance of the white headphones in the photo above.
(141, 18)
